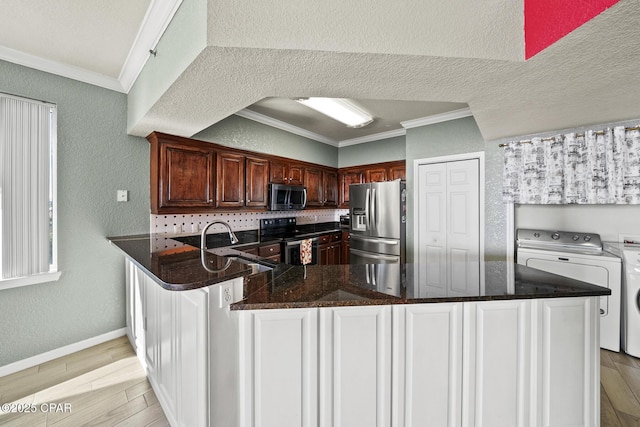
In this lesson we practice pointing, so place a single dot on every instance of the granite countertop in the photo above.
(179, 266)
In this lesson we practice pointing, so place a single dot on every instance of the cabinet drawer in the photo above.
(269, 250)
(336, 237)
(252, 251)
(324, 238)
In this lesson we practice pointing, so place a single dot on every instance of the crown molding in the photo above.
(374, 137)
(60, 69)
(265, 120)
(155, 22)
(437, 118)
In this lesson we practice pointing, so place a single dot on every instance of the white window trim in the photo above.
(53, 274)
(34, 279)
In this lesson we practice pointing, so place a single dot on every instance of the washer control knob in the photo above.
(587, 238)
(555, 236)
(536, 234)
(576, 237)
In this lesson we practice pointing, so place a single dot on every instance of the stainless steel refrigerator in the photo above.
(377, 232)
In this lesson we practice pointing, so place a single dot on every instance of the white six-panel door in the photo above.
(448, 227)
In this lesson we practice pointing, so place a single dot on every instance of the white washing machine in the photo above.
(578, 256)
(630, 254)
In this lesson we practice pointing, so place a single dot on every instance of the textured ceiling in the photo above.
(450, 53)
(589, 76)
(92, 35)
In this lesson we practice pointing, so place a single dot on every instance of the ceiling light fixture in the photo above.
(339, 109)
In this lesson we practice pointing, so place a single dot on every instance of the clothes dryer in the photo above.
(578, 256)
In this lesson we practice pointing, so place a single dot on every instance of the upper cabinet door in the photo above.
(282, 172)
(296, 174)
(184, 176)
(278, 172)
(230, 179)
(330, 188)
(346, 179)
(313, 182)
(397, 172)
(257, 180)
(376, 175)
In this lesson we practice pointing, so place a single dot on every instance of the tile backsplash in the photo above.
(239, 221)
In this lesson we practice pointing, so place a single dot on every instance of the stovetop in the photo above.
(288, 229)
(588, 243)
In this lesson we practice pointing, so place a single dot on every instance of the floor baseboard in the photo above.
(59, 352)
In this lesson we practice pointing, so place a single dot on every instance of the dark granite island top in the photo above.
(177, 266)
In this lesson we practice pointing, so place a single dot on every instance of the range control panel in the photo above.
(559, 240)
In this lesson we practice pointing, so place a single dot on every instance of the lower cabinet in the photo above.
(310, 367)
(279, 368)
(427, 371)
(174, 348)
(490, 363)
(355, 366)
(497, 363)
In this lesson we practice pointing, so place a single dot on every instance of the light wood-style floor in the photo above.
(619, 390)
(102, 385)
(105, 385)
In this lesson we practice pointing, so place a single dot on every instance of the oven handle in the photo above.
(297, 242)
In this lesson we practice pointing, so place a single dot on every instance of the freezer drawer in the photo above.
(375, 244)
(383, 273)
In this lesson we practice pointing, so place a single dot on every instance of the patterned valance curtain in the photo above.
(595, 168)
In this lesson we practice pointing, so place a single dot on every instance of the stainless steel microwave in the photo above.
(283, 197)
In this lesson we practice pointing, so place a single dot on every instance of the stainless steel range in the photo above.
(286, 230)
(578, 256)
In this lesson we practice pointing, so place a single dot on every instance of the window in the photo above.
(28, 220)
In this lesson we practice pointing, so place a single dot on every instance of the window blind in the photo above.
(27, 227)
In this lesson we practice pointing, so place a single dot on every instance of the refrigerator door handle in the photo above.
(374, 273)
(374, 210)
(375, 256)
(375, 240)
(367, 273)
(367, 209)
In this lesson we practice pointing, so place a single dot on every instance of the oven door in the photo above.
(292, 252)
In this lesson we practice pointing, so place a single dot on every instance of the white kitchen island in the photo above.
(281, 350)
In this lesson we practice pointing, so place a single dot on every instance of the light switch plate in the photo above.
(122, 196)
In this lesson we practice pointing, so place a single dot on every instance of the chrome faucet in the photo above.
(203, 239)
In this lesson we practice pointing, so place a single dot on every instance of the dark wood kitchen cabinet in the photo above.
(379, 172)
(315, 187)
(346, 243)
(348, 177)
(189, 176)
(329, 248)
(376, 174)
(230, 180)
(398, 171)
(182, 174)
(322, 187)
(282, 172)
(257, 179)
(330, 183)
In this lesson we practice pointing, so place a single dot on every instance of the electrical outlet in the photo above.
(226, 294)
(122, 195)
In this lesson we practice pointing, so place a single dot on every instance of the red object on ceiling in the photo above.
(547, 21)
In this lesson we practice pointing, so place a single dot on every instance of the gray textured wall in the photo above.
(456, 137)
(95, 158)
(238, 132)
(384, 150)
